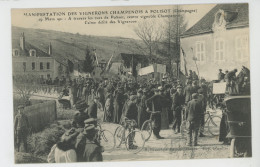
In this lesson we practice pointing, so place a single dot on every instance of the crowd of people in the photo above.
(127, 99)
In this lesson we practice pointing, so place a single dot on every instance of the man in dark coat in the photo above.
(92, 109)
(21, 126)
(156, 104)
(232, 87)
(81, 116)
(140, 109)
(131, 114)
(93, 150)
(221, 75)
(193, 116)
(118, 104)
(178, 101)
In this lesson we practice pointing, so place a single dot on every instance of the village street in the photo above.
(171, 148)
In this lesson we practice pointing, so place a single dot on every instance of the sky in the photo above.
(22, 18)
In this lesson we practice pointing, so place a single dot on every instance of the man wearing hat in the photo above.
(81, 138)
(118, 104)
(143, 115)
(156, 103)
(92, 150)
(21, 126)
(92, 109)
(193, 116)
(131, 114)
(178, 101)
(225, 77)
(81, 116)
(139, 106)
(221, 75)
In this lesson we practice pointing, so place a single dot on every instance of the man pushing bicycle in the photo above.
(155, 104)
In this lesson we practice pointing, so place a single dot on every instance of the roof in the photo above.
(204, 25)
(29, 46)
(128, 58)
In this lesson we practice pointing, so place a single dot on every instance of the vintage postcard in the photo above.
(132, 83)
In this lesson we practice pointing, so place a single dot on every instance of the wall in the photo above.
(39, 115)
(209, 68)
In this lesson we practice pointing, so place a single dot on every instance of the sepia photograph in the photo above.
(131, 83)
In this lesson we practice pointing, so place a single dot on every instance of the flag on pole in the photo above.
(109, 63)
(183, 63)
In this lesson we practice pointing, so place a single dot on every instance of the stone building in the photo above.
(29, 59)
(220, 40)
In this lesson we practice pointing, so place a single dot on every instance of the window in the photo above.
(200, 51)
(48, 65)
(32, 53)
(219, 50)
(24, 66)
(33, 65)
(41, 65)
(242, 51)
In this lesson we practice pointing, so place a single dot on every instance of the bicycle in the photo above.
(131, 137)
(211, 121)
(106, 138)
(147, 126)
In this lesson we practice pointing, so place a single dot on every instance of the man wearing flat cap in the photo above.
(21, 126)
(156, 103)
(93, 150)
(193, 116)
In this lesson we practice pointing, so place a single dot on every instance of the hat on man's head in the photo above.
(69, 135)
(81, 105)
(220, 69)
(194, 95)
(90, 121)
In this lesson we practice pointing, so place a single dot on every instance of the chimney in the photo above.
(22, 41)
(50, 50)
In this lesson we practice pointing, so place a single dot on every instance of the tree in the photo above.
(174, 26)
(89, 62)
(150, 33)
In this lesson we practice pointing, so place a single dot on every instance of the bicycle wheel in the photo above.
(147, 129)
(119, 135)
(135, 141)
(107, 140)
(213, 125)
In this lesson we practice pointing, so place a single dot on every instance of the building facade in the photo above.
(220, 40)
(28, 59)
